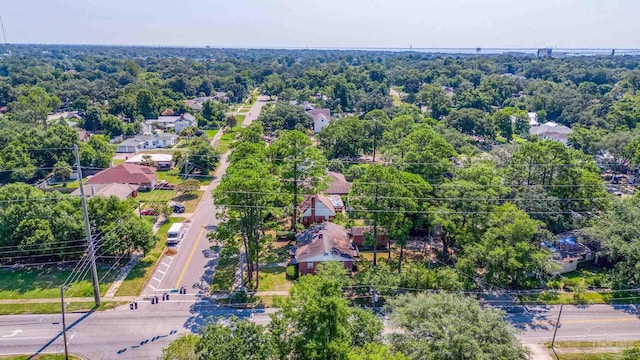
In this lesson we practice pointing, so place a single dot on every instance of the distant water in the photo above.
(492, 51)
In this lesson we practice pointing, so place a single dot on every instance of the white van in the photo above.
(175, 234)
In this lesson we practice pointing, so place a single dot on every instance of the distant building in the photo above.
(323, 243)
(175, 122)
(358, 234)
(321, 118)
(552, 131)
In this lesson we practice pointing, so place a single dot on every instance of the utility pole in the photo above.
(87, 230)
(555, 330)
(64, 324)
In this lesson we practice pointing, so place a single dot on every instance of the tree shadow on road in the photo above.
(207, 311)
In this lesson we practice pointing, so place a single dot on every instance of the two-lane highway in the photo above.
(193, 265)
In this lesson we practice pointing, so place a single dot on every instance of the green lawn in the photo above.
(117, 162)
(45, 282)
(586, 297)
(211, 133)
(587, 356)
(134, 283)
(157, 196)
(190, 201)
(224, 274)
(594, 344)
(273, 279)
(51, 308)
(240, 119)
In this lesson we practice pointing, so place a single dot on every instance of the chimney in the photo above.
(93, 190)
(313, 209)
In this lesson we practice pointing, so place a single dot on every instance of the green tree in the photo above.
(374, 351)
(381, 196)
(92, 120)
(188, 186)
(62, 171)
(33, 105)
(202, 157)
(345, 138)
(509, 250)
(247, 193)
(435, 99)
(447, 326)
(376, 123)
(300, 165)
(239, 340)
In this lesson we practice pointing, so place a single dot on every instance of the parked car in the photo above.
(178, 208)
(164, 185)
(148, 212)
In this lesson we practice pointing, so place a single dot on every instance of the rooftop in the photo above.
(126, 173)
(325, 242)
(121, 191)
(154, 157)
(339, 185)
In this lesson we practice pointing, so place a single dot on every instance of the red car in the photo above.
(148, 212)
(163, 185)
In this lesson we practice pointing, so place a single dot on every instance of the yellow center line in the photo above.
(186, 265)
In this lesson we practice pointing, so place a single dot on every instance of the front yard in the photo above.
(134, 283)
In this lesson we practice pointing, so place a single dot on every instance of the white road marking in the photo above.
(162, 272)
(14, 333)
(156, 279)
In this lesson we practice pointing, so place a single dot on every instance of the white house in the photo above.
(147, 142)
(551, 131)
(321, 118)
(160, 161)
(177, 122)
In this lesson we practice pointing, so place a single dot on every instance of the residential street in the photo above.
(193, 265)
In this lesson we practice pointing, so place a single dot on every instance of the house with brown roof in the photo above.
(317, 209)
(321, 243)
(321, 118)
(338, 185)
(127, 173)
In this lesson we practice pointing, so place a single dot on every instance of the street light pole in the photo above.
(64, 324)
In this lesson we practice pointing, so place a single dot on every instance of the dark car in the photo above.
(178, 208)
(164, 185)
(148, 212)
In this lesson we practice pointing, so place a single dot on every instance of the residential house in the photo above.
(336, 201)
(568, 252)
(3, 110)
(175, 122)
(551, 131)
(338, 185)
(147, 142)
(121, 191)
(160, 161)
(196, 104)
(144, 176)
(321, 118)
(358, 234)
(317, 209)
(321, 243)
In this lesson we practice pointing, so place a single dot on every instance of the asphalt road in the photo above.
(114, 334)
(194, 264)
(142, 334)
(589, 322)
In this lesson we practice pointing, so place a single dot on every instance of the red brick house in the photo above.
(357, 235)
(321, 243)
(127, 173)
(317, 209)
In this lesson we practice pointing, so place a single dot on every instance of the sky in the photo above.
(326, 23)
